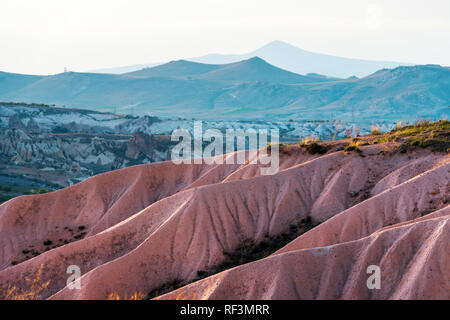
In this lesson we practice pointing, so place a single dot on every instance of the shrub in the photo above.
(247, 251)
(352, 147)
(308, 140)
(375, 131)
(42, 190)
(312, 145)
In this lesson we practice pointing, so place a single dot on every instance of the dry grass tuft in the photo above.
(36, 287)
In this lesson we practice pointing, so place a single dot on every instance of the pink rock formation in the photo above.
(413, 258)
(134, 230)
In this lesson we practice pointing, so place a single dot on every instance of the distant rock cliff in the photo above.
(64, 146)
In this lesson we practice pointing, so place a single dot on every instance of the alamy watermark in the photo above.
(74, 280)
(374, 280)
(214, 146)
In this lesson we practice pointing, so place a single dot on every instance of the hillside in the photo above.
(46, 147)
(256, 69)
(288, 57)
(250, 89)
(249, 70)
(10, 82)
(309, 231)
(125, 69)
(178, 69)
(399, 93)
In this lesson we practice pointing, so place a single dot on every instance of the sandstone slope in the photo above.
(134, 231)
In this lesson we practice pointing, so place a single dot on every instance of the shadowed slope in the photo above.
(413, 260)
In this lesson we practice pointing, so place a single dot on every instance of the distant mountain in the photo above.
(178, 69)
(107, 91)
(256, 69)
(60, 88)
(14, 81)
(250, 89)
(125, 69)
(288, 57)
(390, 94)
(419, 90)
(253, 69)
(403, 93)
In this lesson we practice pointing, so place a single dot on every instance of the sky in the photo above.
(46, 36)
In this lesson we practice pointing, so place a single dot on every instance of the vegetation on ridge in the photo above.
(247, 251)
(422, 134)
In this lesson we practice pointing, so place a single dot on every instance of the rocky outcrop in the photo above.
(14, 122)
(81, 154)
(138, 229)
(32, 127)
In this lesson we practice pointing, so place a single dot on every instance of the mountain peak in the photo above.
(255, 60)
(278, 45)
(291, 58)
(175, 68)
(180, 62)
(253, 69)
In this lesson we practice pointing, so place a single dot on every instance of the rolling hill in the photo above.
(253, 69)
(178, 69)
(286, 56)
(10, 82)
(250, 89)
(224, 231)
(125, 69)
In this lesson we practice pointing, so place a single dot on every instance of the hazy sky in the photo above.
(43, 37)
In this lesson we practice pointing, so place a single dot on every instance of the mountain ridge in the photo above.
(286, 56)
(376, 207)
(291, 58)
(252, 69)
(250, 89)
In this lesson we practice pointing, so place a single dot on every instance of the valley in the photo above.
(48, 147)
(165, 231)
(277, 174)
